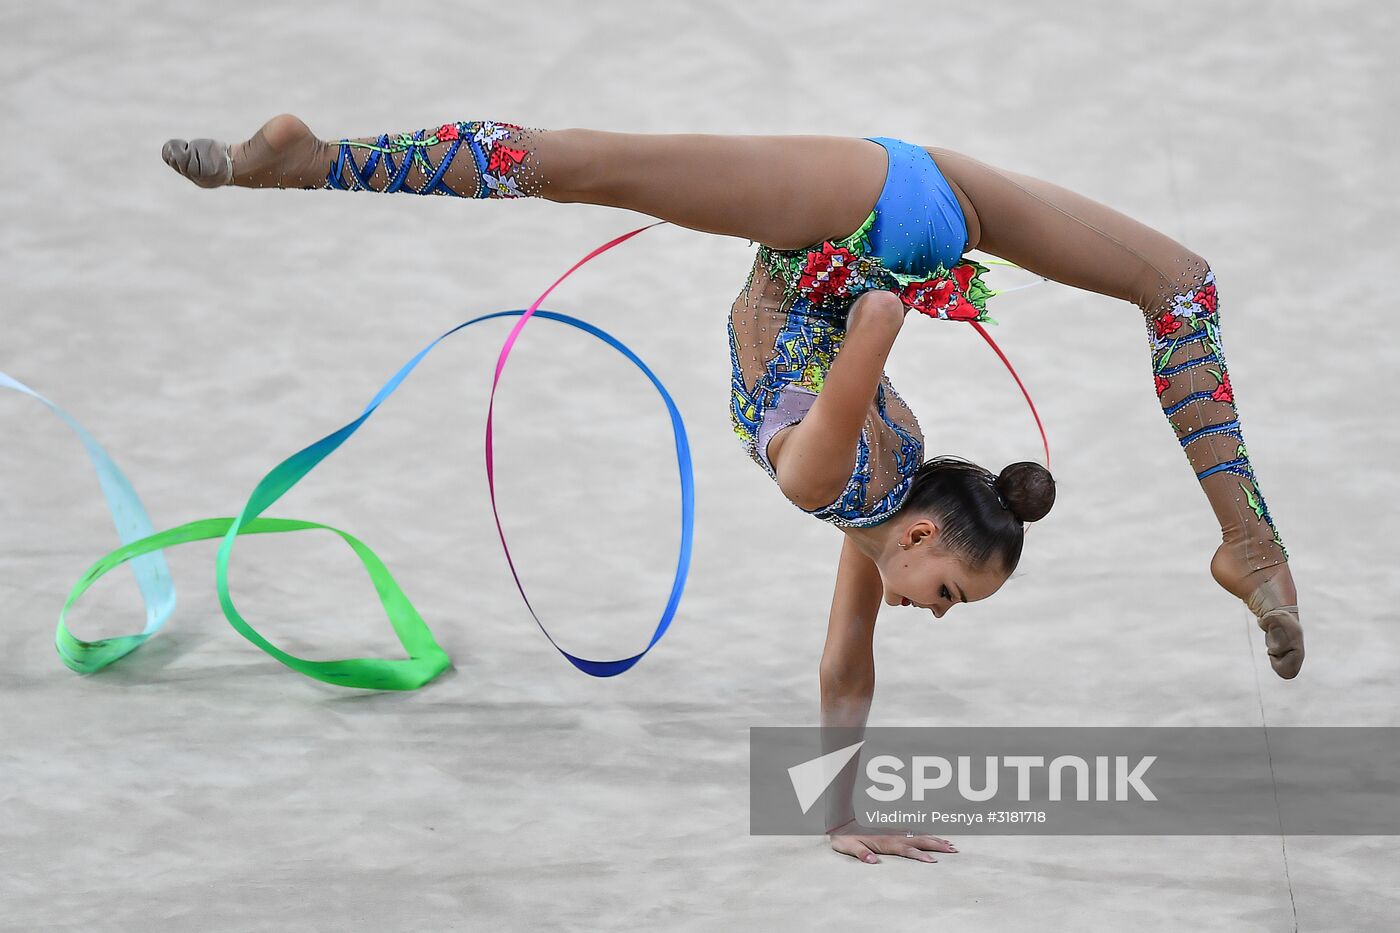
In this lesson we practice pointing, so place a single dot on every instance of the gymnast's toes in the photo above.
(282, 153)
(206, 162)
(1283, 639)
(1274, 602)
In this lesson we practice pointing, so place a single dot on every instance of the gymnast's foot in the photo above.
(283, 154)
(1273, 598)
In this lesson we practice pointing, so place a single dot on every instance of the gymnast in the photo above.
(852, 233)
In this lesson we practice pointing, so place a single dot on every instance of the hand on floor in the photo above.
(864, 847)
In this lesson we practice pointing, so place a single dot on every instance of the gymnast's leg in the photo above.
(784, 191)
(1069, 238)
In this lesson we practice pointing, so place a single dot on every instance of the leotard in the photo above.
(788, 323)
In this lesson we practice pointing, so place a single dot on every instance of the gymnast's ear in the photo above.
(924, 532)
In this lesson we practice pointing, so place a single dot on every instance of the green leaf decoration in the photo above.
(1213, 336)
(1167, 355)
(1254, 502)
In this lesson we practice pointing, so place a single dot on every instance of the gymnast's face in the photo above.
(924, 575)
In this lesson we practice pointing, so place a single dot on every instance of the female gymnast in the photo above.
(851, 234)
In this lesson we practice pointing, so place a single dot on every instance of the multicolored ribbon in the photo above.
(142, 546)
(426, 659)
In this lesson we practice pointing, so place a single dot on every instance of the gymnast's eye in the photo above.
(945, 594)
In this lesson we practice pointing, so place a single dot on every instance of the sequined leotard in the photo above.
(788, 323)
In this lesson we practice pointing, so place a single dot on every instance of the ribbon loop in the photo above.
(142, 546)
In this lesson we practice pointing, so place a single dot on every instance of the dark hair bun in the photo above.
(1029, 490)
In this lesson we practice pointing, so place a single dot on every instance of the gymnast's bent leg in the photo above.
(783, 191)
(1072, 239)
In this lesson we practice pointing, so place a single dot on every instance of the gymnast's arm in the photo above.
(848, 685)
(814, 463)
(848, 667)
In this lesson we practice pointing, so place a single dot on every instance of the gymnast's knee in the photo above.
(1184, 280)
(570, 160)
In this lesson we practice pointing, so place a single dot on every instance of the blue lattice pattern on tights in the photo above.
(1192, 322)
(497, 172)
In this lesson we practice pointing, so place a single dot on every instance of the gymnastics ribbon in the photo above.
(142, 546)
(1011, 369)
(133, 525)
(1045, 441)
(426, 658)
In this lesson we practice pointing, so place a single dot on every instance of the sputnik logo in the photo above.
(811, 778)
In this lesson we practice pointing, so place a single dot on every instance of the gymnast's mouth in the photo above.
(904, 600)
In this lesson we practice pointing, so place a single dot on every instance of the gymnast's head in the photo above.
(959, 534)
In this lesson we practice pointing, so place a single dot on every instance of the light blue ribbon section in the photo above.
(128, 514)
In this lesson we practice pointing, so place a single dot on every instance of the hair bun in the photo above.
(1029, 490)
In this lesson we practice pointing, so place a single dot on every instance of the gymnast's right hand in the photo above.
(847, 841)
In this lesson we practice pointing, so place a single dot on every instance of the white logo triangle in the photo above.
(811, 778)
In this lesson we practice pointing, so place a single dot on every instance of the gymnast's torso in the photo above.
(788, 323)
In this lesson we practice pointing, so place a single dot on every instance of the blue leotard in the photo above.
(919, 223)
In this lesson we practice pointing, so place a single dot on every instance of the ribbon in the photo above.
(142, 546)
(1012, 370)
(133, 525)
(426, 658)
(1041, 280)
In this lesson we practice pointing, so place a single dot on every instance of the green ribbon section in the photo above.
(426, 658)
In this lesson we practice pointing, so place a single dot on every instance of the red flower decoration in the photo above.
(1206, 298)
(1223, 392)
(504, 159)
(930, 295)
(826, 271)
(963, 274)
(1166, 323)
(1162, 384)
(962, 310)
(447, 132)
(944, 296)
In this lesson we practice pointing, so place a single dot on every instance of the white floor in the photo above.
(203, 336)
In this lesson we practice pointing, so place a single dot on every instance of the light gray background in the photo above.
(205, 335)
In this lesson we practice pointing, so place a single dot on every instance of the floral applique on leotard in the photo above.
(833, 273)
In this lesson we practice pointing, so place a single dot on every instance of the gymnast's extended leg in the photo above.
(1072, 239)
(783, 191)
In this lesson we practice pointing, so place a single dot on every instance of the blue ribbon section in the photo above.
(130, 518)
